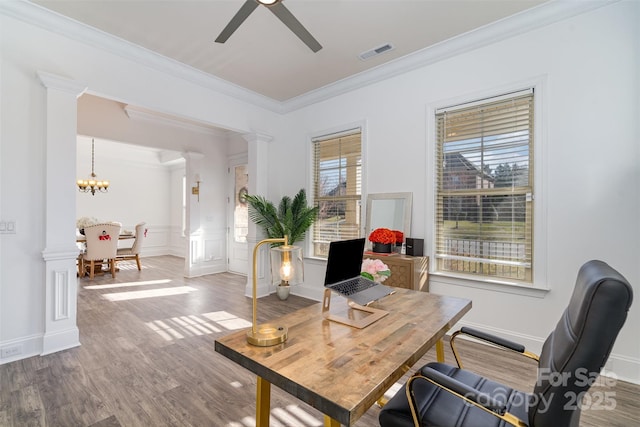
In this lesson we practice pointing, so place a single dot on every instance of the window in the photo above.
(484, 188)
(337, 172)
(184, 206)
(240, 210)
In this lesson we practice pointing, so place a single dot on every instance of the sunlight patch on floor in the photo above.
(130, 265)
(393, 390)
(227, 320)
(291, 416)
(196, 325)
(127, 284)
(151, 293)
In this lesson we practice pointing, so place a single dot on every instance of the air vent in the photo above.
(375, 51)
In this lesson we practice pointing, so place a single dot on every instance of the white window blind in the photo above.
(484, 193)
(337, 172)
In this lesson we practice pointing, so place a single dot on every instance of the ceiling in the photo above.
(264, 56)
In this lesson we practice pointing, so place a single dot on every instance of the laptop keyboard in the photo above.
(351, 286)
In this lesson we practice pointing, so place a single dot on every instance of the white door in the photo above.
(238, 216)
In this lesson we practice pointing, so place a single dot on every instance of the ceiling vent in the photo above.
(376, 51)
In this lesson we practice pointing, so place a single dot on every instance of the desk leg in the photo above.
(263, 402)
(330, 422)
(440, 351)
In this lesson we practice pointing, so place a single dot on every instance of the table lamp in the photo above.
(286, 269)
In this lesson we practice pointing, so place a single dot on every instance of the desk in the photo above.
(340, 370)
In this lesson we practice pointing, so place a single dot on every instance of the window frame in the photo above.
(539, 286)
(311, 185)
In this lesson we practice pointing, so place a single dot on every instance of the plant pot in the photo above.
(283, 292)
(383, 248)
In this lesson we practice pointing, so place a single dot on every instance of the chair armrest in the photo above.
(494, 339)
(462, 391)
(491, 339)
(476, 396)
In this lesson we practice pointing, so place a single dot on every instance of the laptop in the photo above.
(344, 264)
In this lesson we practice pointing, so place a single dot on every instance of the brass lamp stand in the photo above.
(268, 334)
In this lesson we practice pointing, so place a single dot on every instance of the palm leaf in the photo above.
(263, 213)
(292, 218)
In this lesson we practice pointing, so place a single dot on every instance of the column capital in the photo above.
(52, 81)
(192, 155)
(257, 137)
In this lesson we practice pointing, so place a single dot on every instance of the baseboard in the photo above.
(309, 292)
(60, 340)
(20, 348)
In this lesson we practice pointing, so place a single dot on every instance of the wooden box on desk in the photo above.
(409, 272)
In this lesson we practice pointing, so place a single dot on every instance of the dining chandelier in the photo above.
(92, 184)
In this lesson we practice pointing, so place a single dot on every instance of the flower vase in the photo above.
(382, 248)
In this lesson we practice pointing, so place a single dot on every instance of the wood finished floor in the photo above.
(147, 359)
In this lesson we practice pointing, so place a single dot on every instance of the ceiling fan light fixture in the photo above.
(276, 7)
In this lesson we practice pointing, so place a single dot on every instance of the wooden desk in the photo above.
(341, 370)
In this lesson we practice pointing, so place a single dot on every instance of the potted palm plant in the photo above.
(292, 218)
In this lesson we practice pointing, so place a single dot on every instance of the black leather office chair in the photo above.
(571, 358)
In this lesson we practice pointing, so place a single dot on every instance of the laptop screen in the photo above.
(344, 260)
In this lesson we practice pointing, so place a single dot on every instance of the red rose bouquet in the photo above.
(382, 235)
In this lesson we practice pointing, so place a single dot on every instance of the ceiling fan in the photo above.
(278, 9)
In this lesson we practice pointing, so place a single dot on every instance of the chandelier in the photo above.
(92, 184)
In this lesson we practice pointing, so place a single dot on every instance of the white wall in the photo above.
(589, 165)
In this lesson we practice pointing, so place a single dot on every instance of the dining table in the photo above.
(81, 238)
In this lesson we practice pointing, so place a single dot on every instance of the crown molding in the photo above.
(52, 81)
(523, 22)
(537, 17)
(38, 16)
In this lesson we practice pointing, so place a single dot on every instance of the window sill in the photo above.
(489, 284)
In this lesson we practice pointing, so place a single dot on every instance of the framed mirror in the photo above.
(389, 210)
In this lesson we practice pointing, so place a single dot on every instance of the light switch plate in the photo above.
(7, 227)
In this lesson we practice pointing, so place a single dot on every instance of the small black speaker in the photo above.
(414, 247)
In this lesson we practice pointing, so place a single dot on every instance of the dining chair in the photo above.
(134, 251)
(102, 244)
(571, 360)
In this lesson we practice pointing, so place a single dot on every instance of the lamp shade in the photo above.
(286, 265)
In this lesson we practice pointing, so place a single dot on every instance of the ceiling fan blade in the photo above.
(294, 25)
(242, 14)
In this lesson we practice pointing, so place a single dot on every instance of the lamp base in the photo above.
(267, 335)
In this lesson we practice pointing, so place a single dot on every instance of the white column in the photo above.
(257, 147)
(60, 252)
